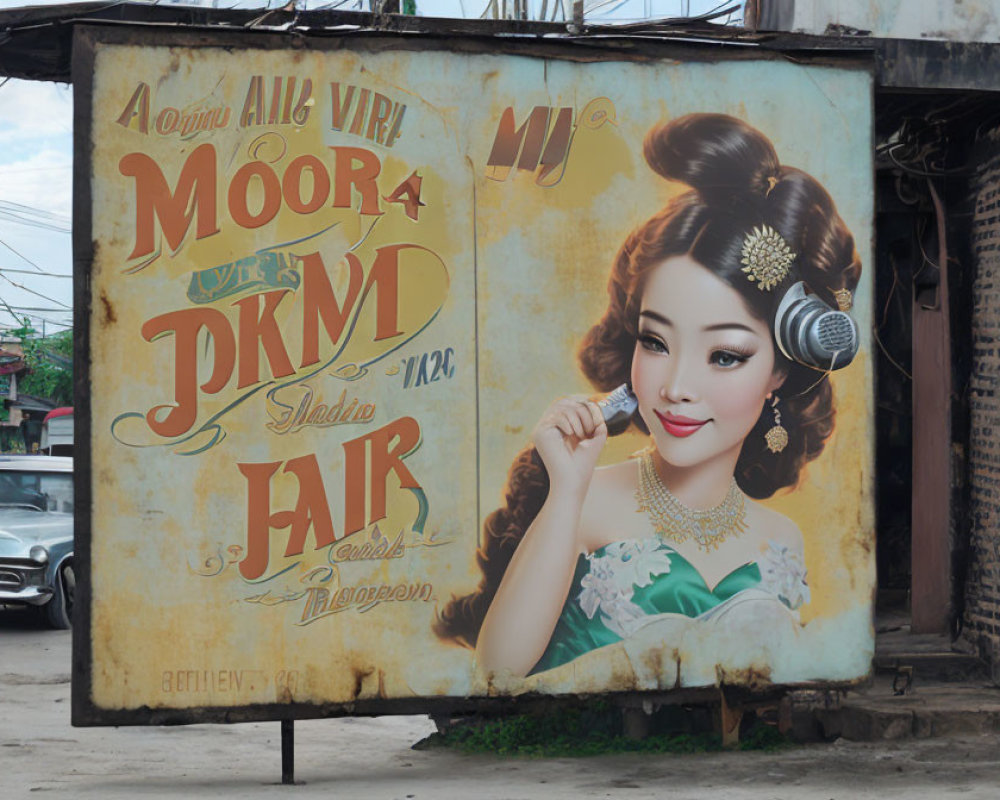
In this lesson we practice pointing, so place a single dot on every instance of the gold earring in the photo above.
(776, 437)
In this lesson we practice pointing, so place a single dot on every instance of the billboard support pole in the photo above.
(287, 751)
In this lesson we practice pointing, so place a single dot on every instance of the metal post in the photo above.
(288, 751)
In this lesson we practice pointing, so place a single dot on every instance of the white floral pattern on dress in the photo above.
(609, 584)
(783, 573)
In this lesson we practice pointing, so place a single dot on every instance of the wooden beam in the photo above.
(930, 597)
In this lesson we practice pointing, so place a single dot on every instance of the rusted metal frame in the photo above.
(279, 17)
(38, 43)
(899, 63)
(83, 257)
(730, 718)
(581, 49)
(937, 65)
(737, 696)
(287, 751)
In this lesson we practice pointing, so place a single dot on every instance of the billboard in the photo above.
(352, 315)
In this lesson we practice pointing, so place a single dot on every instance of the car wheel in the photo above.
(59, 610)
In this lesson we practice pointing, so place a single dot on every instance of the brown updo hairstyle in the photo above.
(736, 184)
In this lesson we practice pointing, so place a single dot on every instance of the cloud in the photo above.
(33, 111)
(36, 158)
(44, 180)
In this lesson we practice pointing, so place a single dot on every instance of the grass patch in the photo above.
(575, 732)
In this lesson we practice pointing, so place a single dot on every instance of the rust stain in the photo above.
(652, 660)
(754, 677)
(623, 678)
(110, 317)
(360, 673)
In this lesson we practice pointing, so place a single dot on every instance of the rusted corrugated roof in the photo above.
(36, 41)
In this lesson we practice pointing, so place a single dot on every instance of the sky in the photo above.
(36, 156)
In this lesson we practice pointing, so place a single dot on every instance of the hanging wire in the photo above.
(20, 170)
(21, 255)
(47, 320)
(37, 294)
(35, 217)
(885, 318)
(32, 272)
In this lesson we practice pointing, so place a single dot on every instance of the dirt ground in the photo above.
(371, 758)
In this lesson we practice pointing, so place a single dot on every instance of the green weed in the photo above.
(575, 732)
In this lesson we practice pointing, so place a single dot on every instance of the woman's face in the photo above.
(703, 365)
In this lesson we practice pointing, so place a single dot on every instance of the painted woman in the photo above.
(726, 312)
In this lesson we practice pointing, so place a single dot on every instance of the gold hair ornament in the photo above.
(844, 299)
(767, 257)
(673, 520)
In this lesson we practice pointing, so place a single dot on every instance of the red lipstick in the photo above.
(679, 426)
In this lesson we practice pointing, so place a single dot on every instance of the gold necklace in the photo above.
(675, 521)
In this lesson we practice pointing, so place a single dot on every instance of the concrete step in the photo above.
(926, 657)
(939, 667)
(926, 710)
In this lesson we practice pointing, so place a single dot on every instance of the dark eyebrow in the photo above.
(656, 317)
(722, 326)
(729, 326)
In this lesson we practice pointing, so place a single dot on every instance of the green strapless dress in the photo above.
(620, 585)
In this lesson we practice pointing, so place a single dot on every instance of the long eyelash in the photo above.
(745, 352)
(647, 339)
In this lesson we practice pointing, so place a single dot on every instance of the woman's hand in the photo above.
(527, 604)
(569, 438)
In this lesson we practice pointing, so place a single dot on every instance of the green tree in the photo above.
(50, 364)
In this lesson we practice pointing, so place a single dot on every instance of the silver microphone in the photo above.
(617, 409)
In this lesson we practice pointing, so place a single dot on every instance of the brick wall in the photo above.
(982, 612)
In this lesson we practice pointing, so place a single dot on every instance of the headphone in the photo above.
(810, 332)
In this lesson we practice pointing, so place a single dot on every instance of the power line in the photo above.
(40, 212)
(4, 302)
(32, 272)
(35, 217)
(35, 308)
(37, 294)
(48, 321)
(22, 220)
(20, 255)
(20, 318)
(67, 325)
(33, 169)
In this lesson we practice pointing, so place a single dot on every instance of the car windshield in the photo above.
(46, 491)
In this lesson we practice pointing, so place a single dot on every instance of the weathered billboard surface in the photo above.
(333, 298)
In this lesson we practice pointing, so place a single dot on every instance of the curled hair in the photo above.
(735, 183)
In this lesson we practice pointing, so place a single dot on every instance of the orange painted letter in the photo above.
(390, 444)
(259, 328)
(195, 191)
(361, 177)
(185, 325)
(320, 302)
(311, 509)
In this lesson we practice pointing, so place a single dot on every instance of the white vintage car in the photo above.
(36, 535)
